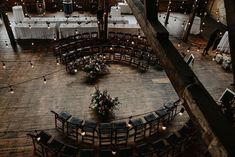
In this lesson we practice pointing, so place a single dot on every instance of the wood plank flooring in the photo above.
(29, 107)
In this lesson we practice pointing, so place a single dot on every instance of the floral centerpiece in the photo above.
(102, 103)
(95, 66)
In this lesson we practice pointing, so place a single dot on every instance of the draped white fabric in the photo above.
(73, 29)
(125, 9)
(196, 26)
(18, 13)
(115, 11)
(35, 31)
(70, 29)
(60, 20)
(223, 45)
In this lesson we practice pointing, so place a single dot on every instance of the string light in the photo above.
(44, 80)
(188, 50)
(181, 111)
(114, 151)
(163, 127)
(57, 62)
(75, 70)
(83, 133)
(31, 64)
(6, 44)
(198, 49)
(3, 65)
(11, 90)
(32, 43)
(179, 44)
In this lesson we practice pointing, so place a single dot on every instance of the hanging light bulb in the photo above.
(203, 23)
(129, 122)
(6, 44)
(44, 80)
(48, 26)
(132, 42)
(198, 49)
(181, 111)
(114, 151)
(218, 20)
(54, 37)
(201, 30)
(38, 138)
(163, 127)
(3, 65)
(30, 26)
(57, 62)
(188, 50)
(31, 64)
(11, 90)
(83, 133)
(182, 25)
(32, 43)
(75, 70)
(179, 44)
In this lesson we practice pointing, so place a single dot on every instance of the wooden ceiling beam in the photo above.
(215, 129)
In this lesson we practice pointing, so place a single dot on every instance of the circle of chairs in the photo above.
(133, 137)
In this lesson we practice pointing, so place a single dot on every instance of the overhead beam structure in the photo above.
(215, 129)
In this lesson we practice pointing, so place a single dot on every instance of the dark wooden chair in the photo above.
(124, 152)
(144, 150)
(171, 108)
(161, 148)
(120, 133)
(87, 153)
(152, 123)
(73, 126)
(54, 148)
(163, 114)
(139, 128)
(88, 132)
(61, 117)
(176, 143)
(105, 132)
(40, 142)
(105, 153)
(68, 151)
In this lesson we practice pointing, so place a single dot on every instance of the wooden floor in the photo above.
(28, 109)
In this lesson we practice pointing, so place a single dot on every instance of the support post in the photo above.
(168, 12)
(230, 10)
(7, 26)
(106, 12)
(216, 131)
(190, 22)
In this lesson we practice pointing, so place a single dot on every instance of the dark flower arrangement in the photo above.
(95, 66)
(102, 103)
